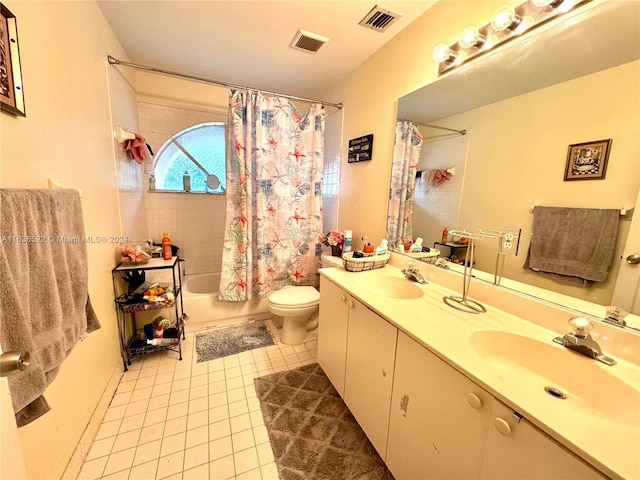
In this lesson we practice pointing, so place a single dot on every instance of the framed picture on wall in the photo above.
(11, 92)
(587, 161)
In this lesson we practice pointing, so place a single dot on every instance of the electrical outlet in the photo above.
(507, 245)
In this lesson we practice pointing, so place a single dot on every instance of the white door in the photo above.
(11, 461)
(627, 292)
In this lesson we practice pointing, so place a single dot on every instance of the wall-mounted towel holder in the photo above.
(122, 135)
(625, 213)
(54, 183)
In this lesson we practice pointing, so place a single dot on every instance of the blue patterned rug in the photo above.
(227, 341)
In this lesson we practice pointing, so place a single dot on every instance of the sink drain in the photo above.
(555, 392)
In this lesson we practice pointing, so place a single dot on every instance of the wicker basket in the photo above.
(363, 264)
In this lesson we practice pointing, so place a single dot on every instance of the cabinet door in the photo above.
(371, 349)
(516, 449)
(438, 420)
(332, 332)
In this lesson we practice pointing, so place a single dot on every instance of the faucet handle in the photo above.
(581, 326)
(410, 264)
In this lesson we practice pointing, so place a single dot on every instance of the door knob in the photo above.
(633, 259)
(10, 361)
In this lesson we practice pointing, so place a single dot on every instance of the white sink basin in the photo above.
(389, 286)
(588, 384)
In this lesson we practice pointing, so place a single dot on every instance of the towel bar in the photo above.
(626, 213)
(54, 183)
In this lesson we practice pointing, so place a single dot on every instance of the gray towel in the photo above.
(576, 243)
(44, 302)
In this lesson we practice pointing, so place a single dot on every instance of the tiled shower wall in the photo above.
(194, 221)
(331, 181)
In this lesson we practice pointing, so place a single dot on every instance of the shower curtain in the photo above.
(406, 156)
(274, 196)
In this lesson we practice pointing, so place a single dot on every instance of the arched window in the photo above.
(198, 150)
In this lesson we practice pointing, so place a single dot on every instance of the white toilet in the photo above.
(299, 307)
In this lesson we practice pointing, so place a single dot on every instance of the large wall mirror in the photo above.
(575, 80)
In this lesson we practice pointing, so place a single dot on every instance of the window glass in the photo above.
(198, 150)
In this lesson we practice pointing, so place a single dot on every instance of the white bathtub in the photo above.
(205, 309)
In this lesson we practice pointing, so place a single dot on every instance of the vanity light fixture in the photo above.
(471, 37)
(507, 23)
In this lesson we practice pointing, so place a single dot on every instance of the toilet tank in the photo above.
(330, 261)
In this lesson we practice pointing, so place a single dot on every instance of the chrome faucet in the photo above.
(579, 340)
(412, 273)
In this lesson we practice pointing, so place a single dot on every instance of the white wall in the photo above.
(67, 134)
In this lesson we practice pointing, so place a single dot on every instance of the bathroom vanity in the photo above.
(447, 394)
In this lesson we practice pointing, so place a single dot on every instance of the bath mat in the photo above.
(227, 341)
(313, 435)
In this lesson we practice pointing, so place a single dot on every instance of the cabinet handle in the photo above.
(351, 305)
(502, 426)
(474, 400)
(343, 298)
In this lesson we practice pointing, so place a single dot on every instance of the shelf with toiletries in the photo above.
(457, 251)
(139, 290)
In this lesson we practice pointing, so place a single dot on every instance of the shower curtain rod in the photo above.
(115, 61)
(461, 132)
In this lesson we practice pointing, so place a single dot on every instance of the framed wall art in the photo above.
(587, 161)
(11, 92)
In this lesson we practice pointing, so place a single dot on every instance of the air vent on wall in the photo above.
(307, 41)
(379, 18)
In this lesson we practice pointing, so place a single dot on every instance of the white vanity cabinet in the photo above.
(371, 349)
(335, 304)
(443, 425)
(439, 418)
(356, 349)
(516, 449)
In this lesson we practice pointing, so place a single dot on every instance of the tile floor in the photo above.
(182, 420)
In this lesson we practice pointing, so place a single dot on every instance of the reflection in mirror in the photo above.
(574, 82)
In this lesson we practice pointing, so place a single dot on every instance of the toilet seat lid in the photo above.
(295, 297)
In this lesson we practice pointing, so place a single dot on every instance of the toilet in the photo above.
(298, 305)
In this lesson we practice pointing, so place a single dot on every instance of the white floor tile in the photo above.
(186, 420)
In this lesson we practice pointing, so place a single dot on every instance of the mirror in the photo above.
(573, 81)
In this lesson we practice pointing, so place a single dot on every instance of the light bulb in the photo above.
(470, 37)
(505, 17)
(442, 53)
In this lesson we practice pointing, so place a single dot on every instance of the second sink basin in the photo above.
(587, 383)
(390, 286)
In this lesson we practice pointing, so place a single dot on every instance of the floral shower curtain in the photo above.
(274, 196)
(406, 156)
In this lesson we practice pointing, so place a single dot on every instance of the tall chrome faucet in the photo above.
(579, 340)
(412, 273)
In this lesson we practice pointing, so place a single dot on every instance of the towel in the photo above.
(138, 147)
(44, 302)
(576, 243)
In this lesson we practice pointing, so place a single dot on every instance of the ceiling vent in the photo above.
(307, 41)
(379, 18)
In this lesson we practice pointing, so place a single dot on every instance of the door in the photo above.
(371, 350)
(11, 460)
(438, 420)
(627, 292)
(332, 332)
(517, 449)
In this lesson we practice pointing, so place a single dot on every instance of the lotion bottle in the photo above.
(348, 234)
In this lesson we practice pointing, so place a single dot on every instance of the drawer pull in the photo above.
(502, 426)
(474, 400)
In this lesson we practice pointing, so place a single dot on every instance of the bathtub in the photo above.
(205, 309)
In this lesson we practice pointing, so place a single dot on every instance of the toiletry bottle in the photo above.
(383, 247)
(152, 182)
(186, 181)
(445, 235)
(166, 246)
(417, 246)
(348, 234)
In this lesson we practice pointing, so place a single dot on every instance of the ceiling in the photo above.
(247, 42)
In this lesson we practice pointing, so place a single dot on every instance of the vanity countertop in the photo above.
(605, 433)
